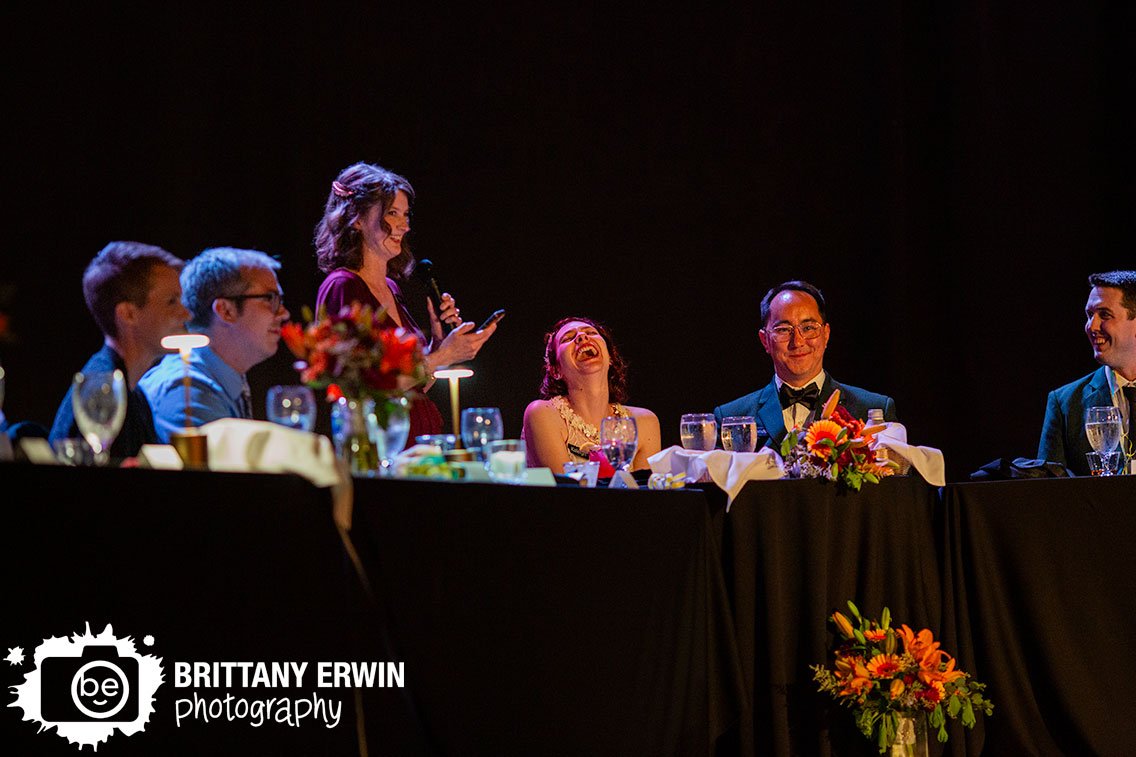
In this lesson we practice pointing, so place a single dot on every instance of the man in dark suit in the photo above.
(1110, 324)
(795, 334)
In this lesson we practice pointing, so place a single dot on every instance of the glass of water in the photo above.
(698, 431)
(1103, 429)
(739, 433)
(292, 406)
(619, 438)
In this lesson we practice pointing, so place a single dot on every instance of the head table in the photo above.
(533, 620)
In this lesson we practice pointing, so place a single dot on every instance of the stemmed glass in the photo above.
(1103, 430)
(479, 426)
(292, 406)
(99, 402)
(619, 438)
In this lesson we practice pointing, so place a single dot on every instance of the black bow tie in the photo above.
(790, 396)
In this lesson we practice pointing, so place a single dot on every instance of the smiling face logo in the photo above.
(89, 686)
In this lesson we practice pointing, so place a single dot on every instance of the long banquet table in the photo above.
(566, 621)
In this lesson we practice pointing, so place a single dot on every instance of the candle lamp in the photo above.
(454, 375)
(191, 445)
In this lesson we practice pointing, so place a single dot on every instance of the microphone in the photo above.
(425, 270)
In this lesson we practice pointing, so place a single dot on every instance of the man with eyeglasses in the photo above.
(795, 334)
(234, 298)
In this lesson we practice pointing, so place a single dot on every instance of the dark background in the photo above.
(948, 174)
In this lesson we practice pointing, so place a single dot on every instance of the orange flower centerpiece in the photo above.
(893, 678)
(370, 367)
(836, 447)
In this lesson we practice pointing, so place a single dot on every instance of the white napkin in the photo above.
(927, 460)
(729, 470)
(237, 444)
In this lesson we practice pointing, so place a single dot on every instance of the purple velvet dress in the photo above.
(343, 287)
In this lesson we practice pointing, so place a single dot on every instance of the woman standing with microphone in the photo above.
(361, 245)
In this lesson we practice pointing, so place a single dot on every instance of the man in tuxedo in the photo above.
(1110, 324)
(795, 334)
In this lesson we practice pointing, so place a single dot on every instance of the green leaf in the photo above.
(788, 443)
(968, 714)
(854, 610)
(953, 706)
(859, 636)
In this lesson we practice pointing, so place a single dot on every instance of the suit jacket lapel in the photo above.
(768, 412)
(1096, 393)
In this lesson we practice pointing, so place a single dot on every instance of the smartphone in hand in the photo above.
(491, 320)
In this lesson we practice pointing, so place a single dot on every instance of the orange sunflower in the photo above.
(820, 432)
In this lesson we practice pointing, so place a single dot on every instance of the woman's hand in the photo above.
(450, 314)
(460, 345)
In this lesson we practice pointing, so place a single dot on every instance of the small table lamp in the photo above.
(454, 375)
(190, 444)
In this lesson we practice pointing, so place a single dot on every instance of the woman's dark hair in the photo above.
(356, 190)
(616, 375)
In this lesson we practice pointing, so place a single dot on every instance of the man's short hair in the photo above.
(120, 272)
(797, 286)
(218, 272)
(1125, 281)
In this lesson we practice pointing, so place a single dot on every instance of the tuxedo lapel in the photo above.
(767, 410)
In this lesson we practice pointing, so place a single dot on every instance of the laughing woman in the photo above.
(585, 381)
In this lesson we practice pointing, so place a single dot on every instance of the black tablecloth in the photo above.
(1043, 599)
(529, 621)
(796, 551)
(550, 621)
(216, 567)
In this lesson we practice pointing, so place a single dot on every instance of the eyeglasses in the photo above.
(810, 330)
(274, 299)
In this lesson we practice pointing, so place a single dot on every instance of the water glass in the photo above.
(479, 426)
(698, 431)
(1102, 427)
(587, 473)
(99, 402)
(1104, 464)
(292, 406)
(619, 438)
(505, 460)
(739, 433)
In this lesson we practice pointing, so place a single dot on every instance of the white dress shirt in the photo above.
(795, 415)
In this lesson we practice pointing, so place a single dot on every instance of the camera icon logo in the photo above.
(87, 687)
(100, 685)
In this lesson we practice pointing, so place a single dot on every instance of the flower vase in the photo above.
(911, 736)
(352, 424)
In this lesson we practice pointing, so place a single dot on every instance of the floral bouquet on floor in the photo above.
(836, 447)
(358, 351)
(890, 678)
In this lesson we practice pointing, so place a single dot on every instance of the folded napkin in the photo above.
(236, 444)
(928, 461)
(729, 470)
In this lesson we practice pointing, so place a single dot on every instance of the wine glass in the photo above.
(739, 433)
(479, 426)
(698, 431)
(1103, 429)
(619, 438)
(292, 406)
(99, 402)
